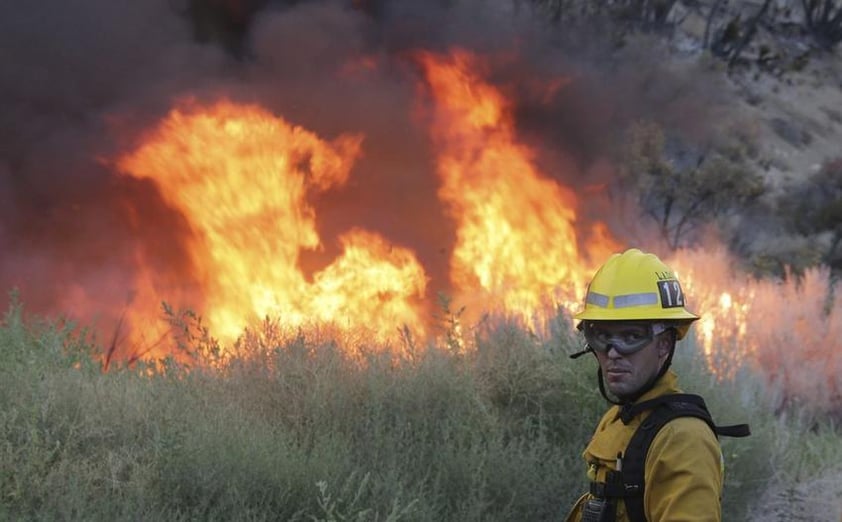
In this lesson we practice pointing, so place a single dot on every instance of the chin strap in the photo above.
(631, 399)
(599, 379)
(602, 391)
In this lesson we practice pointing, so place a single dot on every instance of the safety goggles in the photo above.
(626, 339)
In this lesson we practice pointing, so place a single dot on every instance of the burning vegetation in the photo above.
(241, 177)
(296, 182)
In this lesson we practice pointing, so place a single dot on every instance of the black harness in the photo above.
(629, 483)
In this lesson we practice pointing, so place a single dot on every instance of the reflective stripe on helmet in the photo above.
(624, 301)
(636, 286)
(597, 299)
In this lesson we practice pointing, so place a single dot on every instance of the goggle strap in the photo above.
(576, 355)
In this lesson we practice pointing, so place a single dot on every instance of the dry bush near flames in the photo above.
(296, 428)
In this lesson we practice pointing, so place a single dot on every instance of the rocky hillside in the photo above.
(789, 88)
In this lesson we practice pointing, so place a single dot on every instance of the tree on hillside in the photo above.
(814, 208)
(731, 39)
(683, 188)
(823, 19)
(637, 14)
(650, 14)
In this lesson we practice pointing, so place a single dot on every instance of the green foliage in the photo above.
(783, 256)
(823, 18)
(814, 209)
(682, 189)
(450, 321)
(294, 427)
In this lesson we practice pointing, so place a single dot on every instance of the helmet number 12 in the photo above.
(671, 295)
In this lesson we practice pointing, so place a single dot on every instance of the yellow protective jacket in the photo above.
(683, 468)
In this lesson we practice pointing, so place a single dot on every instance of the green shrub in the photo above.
(296, 428)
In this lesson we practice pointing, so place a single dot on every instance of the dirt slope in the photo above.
(798, 116)
(786, 90)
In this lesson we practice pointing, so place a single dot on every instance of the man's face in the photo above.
(624, 375)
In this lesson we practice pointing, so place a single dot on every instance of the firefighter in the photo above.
(634, 313)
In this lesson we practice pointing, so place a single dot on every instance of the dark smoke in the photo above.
(81, 81)
(78, 80)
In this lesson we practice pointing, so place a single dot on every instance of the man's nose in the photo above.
(612, 351)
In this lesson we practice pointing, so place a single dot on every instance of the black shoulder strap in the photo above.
(664, 409)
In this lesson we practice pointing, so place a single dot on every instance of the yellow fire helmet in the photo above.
(636, 286)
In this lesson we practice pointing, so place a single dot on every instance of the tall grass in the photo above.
(295, 428)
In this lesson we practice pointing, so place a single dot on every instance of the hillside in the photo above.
(799, 126)
(798, 116)
(787, 90)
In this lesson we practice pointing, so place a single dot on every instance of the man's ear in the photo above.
(665, 344)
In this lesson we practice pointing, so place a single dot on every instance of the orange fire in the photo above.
(516, 243)
(723, 301)
(786, 329)
(241, 176)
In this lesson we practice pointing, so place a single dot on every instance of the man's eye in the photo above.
(632, 337)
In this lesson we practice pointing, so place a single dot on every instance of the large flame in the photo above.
(722, 301)
(517, 239)
(516, 231)
(241, 177)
